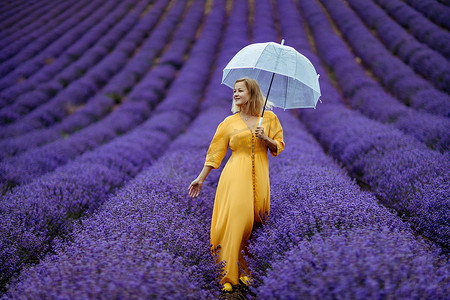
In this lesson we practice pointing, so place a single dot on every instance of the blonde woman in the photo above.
(243, 192)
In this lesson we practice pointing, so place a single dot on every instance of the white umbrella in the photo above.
(280, 70)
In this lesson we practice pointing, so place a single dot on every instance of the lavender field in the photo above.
(107, 109)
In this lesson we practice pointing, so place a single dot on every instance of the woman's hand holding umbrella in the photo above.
(260, 134)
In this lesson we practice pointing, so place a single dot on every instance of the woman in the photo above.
(243, 193)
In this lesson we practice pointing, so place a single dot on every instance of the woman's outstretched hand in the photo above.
(195, 187)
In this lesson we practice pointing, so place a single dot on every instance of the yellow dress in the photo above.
(243, 192)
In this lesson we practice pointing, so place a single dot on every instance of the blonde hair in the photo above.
(255, 104)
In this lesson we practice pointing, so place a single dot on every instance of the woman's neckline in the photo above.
(246, 120)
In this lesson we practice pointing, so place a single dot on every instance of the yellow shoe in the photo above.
(227, 287)
(245, 280)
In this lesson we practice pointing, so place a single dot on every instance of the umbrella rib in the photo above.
(259, 57)
(285, 92)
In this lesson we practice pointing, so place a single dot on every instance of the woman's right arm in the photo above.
(216, 152)
(196, 185)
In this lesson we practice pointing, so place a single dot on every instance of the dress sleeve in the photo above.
(276, 134)
(218, 147)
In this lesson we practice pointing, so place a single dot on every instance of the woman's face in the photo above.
(241, 95)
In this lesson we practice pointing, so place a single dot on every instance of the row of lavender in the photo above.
(82, 185)
(178, 227)
(75, 76)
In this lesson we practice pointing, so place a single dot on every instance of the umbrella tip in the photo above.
(282, 42)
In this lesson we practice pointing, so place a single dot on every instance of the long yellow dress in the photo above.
(243, 192)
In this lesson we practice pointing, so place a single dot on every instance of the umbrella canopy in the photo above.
(288, 75)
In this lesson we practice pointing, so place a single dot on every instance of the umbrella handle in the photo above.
(260, 121)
